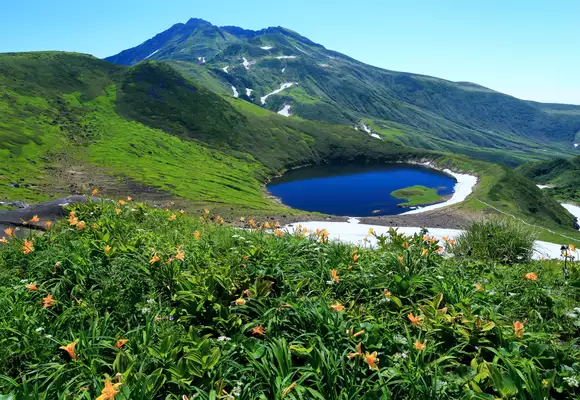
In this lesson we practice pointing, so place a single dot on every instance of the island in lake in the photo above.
(418, 195)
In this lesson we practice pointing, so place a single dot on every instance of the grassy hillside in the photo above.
(562, 174)
(145, 304)
(72, 122)
(430, 113)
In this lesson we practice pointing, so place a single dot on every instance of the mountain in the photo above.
(324, 85)
(561, 175)
(71, 122)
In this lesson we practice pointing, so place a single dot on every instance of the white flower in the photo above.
(237, 391)
(151, 301)
(577, 310)
(23, 280)
(39, 329)
(571, 315)
(512, 294)
(223, 339)
(491, 292)
(572, 381)
(330, 282)
(440, 277)
(145, 310)
(48, 336)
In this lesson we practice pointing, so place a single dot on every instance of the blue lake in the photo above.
(355, 190)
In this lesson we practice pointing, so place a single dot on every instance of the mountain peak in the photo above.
(194, 22)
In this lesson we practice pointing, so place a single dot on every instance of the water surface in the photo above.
(355, 190)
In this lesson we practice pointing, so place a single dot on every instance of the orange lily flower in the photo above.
(424, 252)
(445, 238)
(266, 225)
(34, 219)
(337, 307)
(415, 320)
(173, 217)
(248, 292)
(122, 202)
(117, 211)
(9, 232)
(32, 286)
(452, 242)
(81, 225)
(121, 342)
(48, 301)
(406, 245)
(182, 212)
(252, 223)
(372, 360)
(572, 247)
(357, 334)
(478, 287)
(401, 260)
(387, 293)
(371, 231)
(48, 224)
(94, 192)
(197, 235)
(519, 329)
(206, 212)
(355, 257)
(440, 250)
(72, 220)
(109, 391)
(107, 249)
(3, 240)
(27, 246)
(278, 233)
(240, 302)
(334, 275)
(180, 255)
(219, 220)
(259, 330)
(419, 346)
(154, 259)
(277, 225)
(129, 198)
(70, 349)
(531, 276)
(358, 352)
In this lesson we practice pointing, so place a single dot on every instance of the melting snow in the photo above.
(283, 69)
(226, 69)
(324, 65)
(576, 144)
(544, 186)
(236, 94)
(282, 87)
(285, 111)
(366, 128)
(299, 49)
(266, 47)
(574, 210)
(201, 59)
(155, 52)
(375, 136)
(354, 232)
(247, 63)
(285, 57)
(249, 92)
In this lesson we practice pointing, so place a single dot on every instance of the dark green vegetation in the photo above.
(497, 240)
(72, 122)
(415, 110)
(256, 316)
(562, 174)
(417, 196)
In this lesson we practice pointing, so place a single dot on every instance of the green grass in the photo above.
(563, 174)
(189, 322)
(417, 195)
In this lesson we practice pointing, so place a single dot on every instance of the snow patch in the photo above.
(201, 59)
(355, 233)
(282, 87)
(573, 209)
(285, 57)
(283, 70)
(285, 111)
(462, 189)
(299, 49)
(249, 92)
(376, 136)
(247, 64)
(236, 94)
(366, 128)
(576, 144)
(324, 65)
(544, 186)
(182, 50)
(226, 69)
(267, 47)
(152, 54)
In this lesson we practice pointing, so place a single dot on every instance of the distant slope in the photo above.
(71, 122)
(419, 111)
(562, 174)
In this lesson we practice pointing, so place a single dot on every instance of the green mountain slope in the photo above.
(72, 122)
(562, 174)
(423, 111)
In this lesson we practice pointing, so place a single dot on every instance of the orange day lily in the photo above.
(122, 202)
(334, 275)
(355, 257)
(32, 286)
(94, 192)
(415, 320)
(117, 211)
(288, 389)
(531, 276)
(240, 302)
(27, 246)
(121, 342)
(259, 330)
(3, 240)
(9, 232)
(109, 391)
(48, 224)
(70, 349)
(48, 301)
(107, 249)
(357, 334)
(424, 252)
(519, 329)
(197, 235)
(337, 307)
(81, 225)
(358, 352)
(478, 287)
(173, 217)
(278, 233)
(34, 219)
(419, 346)
(266, 225)
(129, 198)
(154, 259)
(372, 360)
(180, 254)
(182, 212)
(401, 260)
(406, 245)
(572, 247)
(387, 293)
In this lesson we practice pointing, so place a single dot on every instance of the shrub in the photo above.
(497, 239)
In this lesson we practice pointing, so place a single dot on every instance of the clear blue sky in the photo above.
(529, 49)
